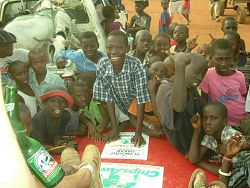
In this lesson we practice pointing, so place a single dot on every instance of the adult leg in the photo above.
(217, 10)
(211, 9)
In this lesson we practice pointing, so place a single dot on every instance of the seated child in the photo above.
(39, 77)
(93, 110)
(214, 123)
(109, 24)
(19, 72)
(49, 123)
(181, 34)
(177, 99)
(140, 21)
(85, 60)
(223, 84)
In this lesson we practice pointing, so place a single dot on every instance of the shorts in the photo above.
(175, 6)
(120, 116)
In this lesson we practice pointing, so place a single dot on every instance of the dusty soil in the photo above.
(199, 16)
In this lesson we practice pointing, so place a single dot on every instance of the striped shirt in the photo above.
(129, 84)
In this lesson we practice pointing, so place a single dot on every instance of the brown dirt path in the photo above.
(199, 16)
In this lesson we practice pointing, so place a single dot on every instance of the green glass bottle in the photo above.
(42, 164)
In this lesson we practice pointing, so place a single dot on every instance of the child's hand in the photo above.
(196, 121)
(111, 136)
(138, 140)
(94, 133)
(234, 145)
(191, 44)
(83, 130)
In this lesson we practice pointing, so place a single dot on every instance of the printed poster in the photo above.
(119, 175)
(124, 149)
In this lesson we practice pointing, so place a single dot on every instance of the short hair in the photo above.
(73, 85)
(234, 35)
(228, 18)
(118, 33)
(87, 78)
(13, 64)
(160, 35)
(139, 33)
(145, 3)
(220, 44)
(220, 106)
(87, 35)
(184, 27)
(36, 51)
(108, 11)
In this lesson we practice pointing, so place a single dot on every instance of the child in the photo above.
(181, 34)
(119, 79)
(19, 72)
(109, 24)
(231, 24)
(177, 99)
(87, 59)
(186, 10)
(175, 5)
(165, 19)
(234, 39)
(143, 40)
(140, 21)
(39, 77)
(214, 123)
(223, 84)
(49, 124)
(171, 33)
(204, 50)
(161, 45)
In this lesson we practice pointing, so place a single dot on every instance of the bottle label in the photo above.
(44, 165)
(9, 107)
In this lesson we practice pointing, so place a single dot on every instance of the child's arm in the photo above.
(196, 151)
(179, 91)
(105, 116)
(137, 139)
(148, 23)
(152, 86)
(209, 167)
(114, 133)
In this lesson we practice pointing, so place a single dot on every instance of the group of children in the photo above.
(153, 88)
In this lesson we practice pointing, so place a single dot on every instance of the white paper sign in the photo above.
(123, 175)
(124, 149)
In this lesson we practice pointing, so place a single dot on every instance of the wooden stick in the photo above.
(57, 147)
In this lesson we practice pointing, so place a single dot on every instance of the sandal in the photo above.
(218, 183)
(199, 184)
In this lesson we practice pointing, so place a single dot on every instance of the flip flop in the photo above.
(218, 183)
(193, 177)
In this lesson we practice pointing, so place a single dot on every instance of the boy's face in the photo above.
(20, 74)
(139, 7)
(203, 50)
(230, 26)
(89, 47)
(158, 70)
(6, 50)
(194, 74)
(55, 106)
(180, 34)
(116, 50)
(222, 59)
(164, 6)
(162, 45)
(212, 120)
(38, 62)
(82, 97)
(143, 42)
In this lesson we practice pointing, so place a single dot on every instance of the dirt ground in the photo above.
(199, 16)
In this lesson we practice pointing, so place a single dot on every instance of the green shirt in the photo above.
(93, 113)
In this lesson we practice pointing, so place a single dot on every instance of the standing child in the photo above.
(165, 19)
(223, 84)
(19, 72)
(177, 99)
(181, 34)
(140, 21)
(186, 10)
(39, 77)
(120, 79)
(214, 9)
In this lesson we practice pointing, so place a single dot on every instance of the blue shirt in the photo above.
(165, 20)
(83, 64)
